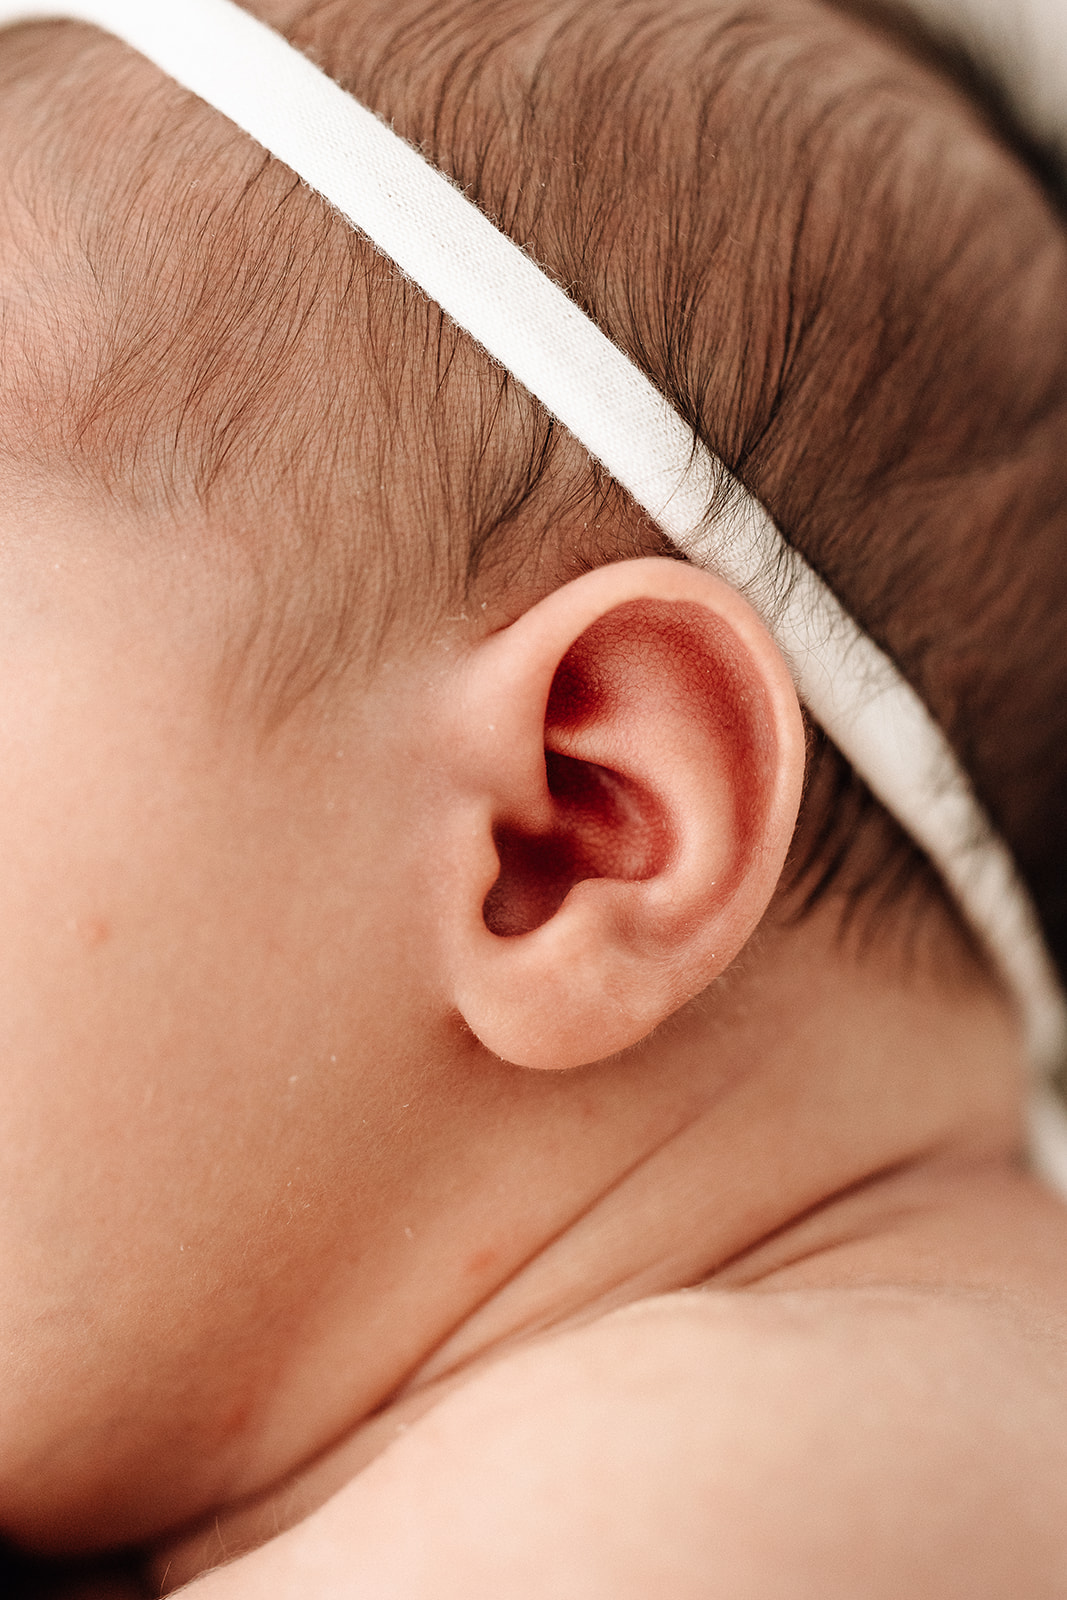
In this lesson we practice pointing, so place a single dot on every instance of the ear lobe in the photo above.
(640, 749)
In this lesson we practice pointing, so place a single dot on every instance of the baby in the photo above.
(492, 1105)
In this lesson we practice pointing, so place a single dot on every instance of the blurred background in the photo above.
(1024, 42)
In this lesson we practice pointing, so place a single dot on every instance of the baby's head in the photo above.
(298, 588)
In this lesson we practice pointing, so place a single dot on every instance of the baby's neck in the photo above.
(808, 1076)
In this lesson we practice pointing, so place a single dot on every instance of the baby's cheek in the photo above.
(195, 1017)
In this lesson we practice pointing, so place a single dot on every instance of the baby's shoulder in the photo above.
(834, 1441)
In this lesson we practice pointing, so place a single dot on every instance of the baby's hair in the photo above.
(789, 215)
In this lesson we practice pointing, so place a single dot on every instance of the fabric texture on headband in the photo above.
(489, 287)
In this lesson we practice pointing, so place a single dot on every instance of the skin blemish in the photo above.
(92, 931)
(480, 1261)
(233, 1421)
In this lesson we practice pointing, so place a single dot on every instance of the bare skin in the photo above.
(929, 1299)
(256, 1231)
(909, 1285)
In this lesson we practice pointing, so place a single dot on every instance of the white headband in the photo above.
(489, 287)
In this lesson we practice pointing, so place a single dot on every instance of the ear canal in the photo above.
(606, 826)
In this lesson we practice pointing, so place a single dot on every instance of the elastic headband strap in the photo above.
(490, 288)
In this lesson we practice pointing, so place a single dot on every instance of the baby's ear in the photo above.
(632, 753)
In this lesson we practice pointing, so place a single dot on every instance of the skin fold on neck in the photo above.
(809, 1101)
